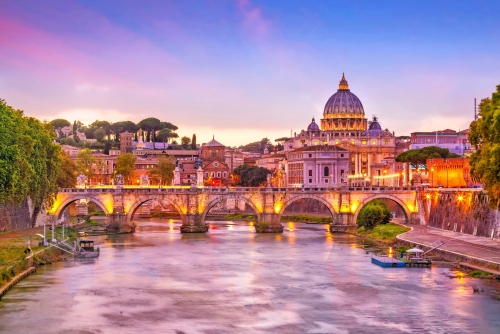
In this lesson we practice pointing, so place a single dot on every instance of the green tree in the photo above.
(251, 176)
(84, 162)
(185, 141)
(374, 213)
(66, 175)
(58, 124)
(107, 147)
(485, 136)
(418, 157)
(99, 134)
(151, 125)
(15, 147)
(45, 161)
(165, 135)
(164, 171)
(193, 143)
(125, 165)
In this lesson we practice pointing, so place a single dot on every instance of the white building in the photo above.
(316, 166)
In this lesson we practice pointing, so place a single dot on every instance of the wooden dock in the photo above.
(387, 262)
(390, 262)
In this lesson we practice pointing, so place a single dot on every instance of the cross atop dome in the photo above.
(343, 83)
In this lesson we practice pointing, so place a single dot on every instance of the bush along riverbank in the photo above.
(15, 257)
(385, 233)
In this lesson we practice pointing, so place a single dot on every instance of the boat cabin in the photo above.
(87, 245)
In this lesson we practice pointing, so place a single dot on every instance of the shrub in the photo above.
(374, 213)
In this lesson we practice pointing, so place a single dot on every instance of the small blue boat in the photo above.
(388, 262)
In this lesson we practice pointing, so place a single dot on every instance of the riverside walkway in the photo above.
(475, 248)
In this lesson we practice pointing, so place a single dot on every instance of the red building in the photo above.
(216, 172)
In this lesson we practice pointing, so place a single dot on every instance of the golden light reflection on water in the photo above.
(329, 237)
(278, 237)
(291, 226)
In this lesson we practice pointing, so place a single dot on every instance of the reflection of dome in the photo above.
(343, 101)
(375, 129)
(313, 127)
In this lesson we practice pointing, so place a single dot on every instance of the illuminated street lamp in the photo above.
(432, 176)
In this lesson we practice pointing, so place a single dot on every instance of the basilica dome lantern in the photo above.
(344, 111)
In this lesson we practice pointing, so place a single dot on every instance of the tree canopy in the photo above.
(419, 156)
(485, 136)
(164, 171)
(84, 162)
(251, 176)
(66, 176)
(29, 160)
(125, 165)
(374, 213)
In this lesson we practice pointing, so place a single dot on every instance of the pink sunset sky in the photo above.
(244, 70)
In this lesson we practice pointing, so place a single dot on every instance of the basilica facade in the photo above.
(345, 125)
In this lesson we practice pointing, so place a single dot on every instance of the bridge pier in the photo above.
(193, 223)
(269, 223)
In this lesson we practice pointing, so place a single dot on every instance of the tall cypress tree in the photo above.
(193, 142)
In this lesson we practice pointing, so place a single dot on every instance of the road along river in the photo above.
(232, 280)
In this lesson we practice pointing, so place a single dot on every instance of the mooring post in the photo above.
(63, 231)
(53, 228)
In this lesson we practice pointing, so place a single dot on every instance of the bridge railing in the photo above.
(145, 190)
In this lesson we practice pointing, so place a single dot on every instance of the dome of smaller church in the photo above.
(313, 127)
(375, 129)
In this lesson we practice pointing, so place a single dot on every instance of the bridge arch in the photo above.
(66, 202)
(138, 203)
(215, 201)
(398, 201)
(295, 198)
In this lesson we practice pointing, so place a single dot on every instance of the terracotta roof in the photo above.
(213, 143)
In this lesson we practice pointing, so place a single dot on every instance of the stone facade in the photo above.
(14, 217)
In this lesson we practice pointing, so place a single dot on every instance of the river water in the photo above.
(232, 280)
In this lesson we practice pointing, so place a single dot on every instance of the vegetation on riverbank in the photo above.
(385, 232)
(13, 247)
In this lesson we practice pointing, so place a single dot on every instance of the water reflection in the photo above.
(232, 280)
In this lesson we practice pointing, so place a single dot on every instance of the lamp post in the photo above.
(383, 180)
(447, 168)
(432, 176)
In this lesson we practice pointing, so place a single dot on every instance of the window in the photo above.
(225, 174)
(352, 142)
(363, 142)
(213, 154)
(326, 180)
(374, 142)
(216, 164)
(206, 174)
(326, 171)
(310, 155)
(310, 181)
(341, 155)
(310, 172)
(386, 142)
(218, 174)
(213, 174)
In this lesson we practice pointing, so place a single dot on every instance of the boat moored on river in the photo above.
(86, 249)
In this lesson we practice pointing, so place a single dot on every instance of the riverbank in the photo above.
(384, 233)
(465, 251)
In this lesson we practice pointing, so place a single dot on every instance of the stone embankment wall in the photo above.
(14, 217)
(464, 212)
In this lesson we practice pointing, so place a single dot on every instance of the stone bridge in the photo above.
(193, 204)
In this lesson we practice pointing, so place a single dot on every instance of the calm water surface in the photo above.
(232, 280)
